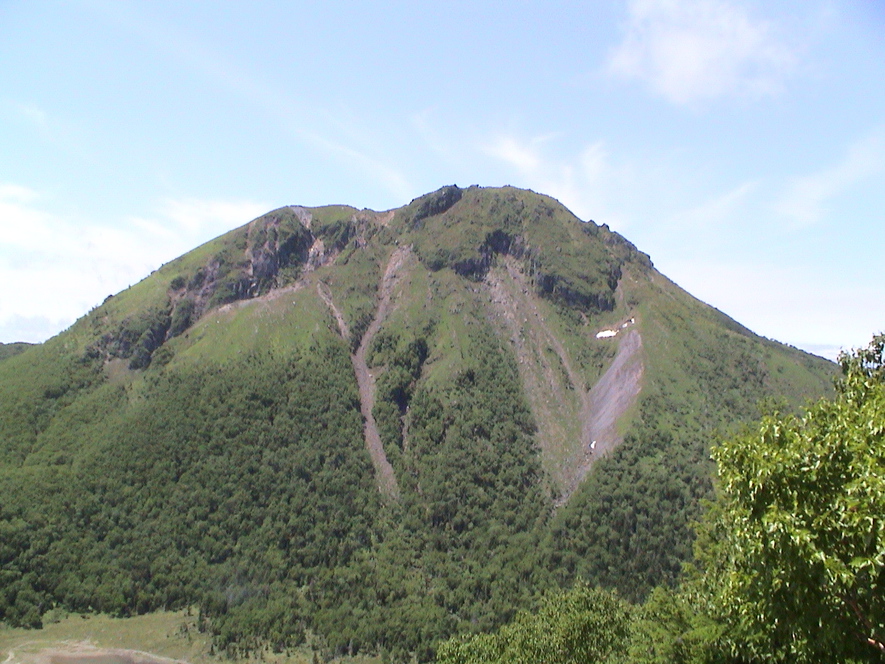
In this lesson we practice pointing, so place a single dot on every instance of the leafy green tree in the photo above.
(581, 625)
(795, 548)
(669, 629)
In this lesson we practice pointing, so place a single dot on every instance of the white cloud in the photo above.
(197, 217)
(520, 155)
(62, 267)
(14, 192)
(805, 200)
(694, 50)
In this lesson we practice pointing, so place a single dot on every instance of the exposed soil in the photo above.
(85, 653)
(575, 425)
(610, 398)
(365, 379)
(267, 297)
(303, 215)
(326, 295)
(317, 256)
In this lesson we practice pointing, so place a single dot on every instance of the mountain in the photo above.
(373, 430)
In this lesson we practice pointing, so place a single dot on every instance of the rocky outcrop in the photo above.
(431, 205)
(277, 249)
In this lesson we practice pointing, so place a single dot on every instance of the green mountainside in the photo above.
(8, 350)
(375, 430)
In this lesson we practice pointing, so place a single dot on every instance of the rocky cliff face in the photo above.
(270, 253)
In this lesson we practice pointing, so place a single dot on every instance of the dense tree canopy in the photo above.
(582, 625)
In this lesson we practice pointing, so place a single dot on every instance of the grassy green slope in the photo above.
(10, 350)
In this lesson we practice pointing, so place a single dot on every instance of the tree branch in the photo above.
(869, 640)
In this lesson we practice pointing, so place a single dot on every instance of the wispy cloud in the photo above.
(715, 212)
(14, 193)
(522, 155)
(48, 127)
(196, 218)
(181, 224)
(35, 116)
(392, 179)
(66, 266)
(804, 202)
(694, 50)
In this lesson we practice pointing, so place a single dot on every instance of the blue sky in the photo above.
(740, 143)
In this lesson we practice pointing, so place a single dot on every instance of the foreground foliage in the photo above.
(797, 540)
(582, 625)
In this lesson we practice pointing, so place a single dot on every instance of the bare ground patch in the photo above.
(84, 653)
(553, 388)
(609, 400)
(155, 638)
(398, 261)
